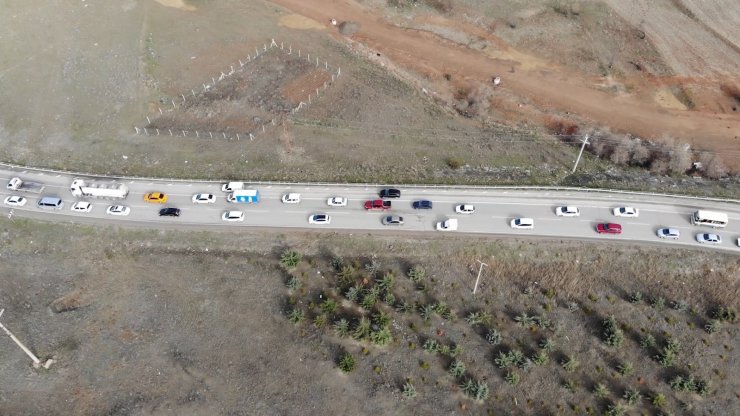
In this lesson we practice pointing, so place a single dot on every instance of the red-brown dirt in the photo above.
(551, 88)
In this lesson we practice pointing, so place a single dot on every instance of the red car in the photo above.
(377, 204)
(609, 228)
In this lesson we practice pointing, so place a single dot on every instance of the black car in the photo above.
(169, 212)
(390, 193)
(422, 204)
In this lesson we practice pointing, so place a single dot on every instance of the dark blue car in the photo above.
(422, 204)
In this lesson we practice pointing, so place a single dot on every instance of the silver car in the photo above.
(670, 233)
(392, 220)
(707, 238)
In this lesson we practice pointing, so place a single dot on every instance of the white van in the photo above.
(50, 202)
(710, 218)
(233, 186)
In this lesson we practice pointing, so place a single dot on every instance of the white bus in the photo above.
(710, 218)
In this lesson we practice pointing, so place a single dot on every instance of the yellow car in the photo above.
(156, 197)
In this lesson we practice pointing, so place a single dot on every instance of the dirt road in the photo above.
(555, 88)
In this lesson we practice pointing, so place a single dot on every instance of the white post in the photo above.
(170, 131)
(204, 88)
(299, 53)
(148, 121)
(339, 71)
(196, 134)
(192, 92)
(240, 63)
(263, 128)
(326, 65)
(173, 104)
(183, 97)
(237, 136)
(157, 132)
(223, 134)
(585, 142)
(308, 57)
(477, 280)
(137, 129)
(290, 49)
(251, 136)
(273, 43)
(146, 132)
(36, 361)
(211, 134)
(160, 111)
(281, 46)
(213, 80)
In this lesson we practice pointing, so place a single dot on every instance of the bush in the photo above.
(632, 396)
(362, 330)
(512, 378)
(370, 297)
(493, 336)
(659, 303)
(600, 390)
(547, 345)
(409, 391)
(372, 267)
(457, 369)
(404, 307)
(525, 320)
(481, 391)
(615, 409)
(513, 358)
(290, 259)
(337, 262)
(319, 321)
(347, 362)
(625, 368)
(570, 385)
(431, 346)
(724, 314)
(416, 274)
(477, 318)
(540, 358)
(570, 364)
(613, 335)
(636, 297)
(454, 162)
(293, 283)
(668, 355)
(426, 311)
(329, 306)
(346, 275)
(341, 327)
(381, 337)
(386, 282)
(353, 293)
(648, 341)
(296, 316)
(713, 326)
(658, 400)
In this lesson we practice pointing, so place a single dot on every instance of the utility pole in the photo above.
(585, 142)
(477, 280)
(36, 361)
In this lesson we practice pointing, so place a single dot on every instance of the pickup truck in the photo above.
(17, 184)
(377, 204)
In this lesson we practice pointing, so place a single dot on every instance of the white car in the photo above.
(626, 212)
(670, 233)
(81, 206)
(321, 219)
(465, 209)
(337, 201)
(15, 201)
(233, 216)
(450, 224)
(204, 199)
(709, 238)
(567, 211)
(291, 198)
(522, 223)
(118, 210)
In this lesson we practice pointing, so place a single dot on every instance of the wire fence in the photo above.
(195, 94)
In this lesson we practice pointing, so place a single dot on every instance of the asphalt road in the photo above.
(494, 210)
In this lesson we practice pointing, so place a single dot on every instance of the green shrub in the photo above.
(724, 314)
(362, 330)
(570, 364)
(409, 391)
(658, 400)
(319, 321)
(290, 259)
(702, 387)
(457, 369)
(625, 368)
(615, 409)
(648, 341)
(513, 358)
(431, 346)
(455, 351)
(346, 275)
(370, 297)
(296, 315)
(525, 320)
(632, 396)
(550, 293)
(372, 267)
(416, 274)
(389, 298)
(441, 309)
(353, 293)
(668, 354)
(329, 306)
(636, 297)
(347, 362)
(570, 385)
(547, 345)
(337, 262)
(512, 378)
(341, 327)
(405, 307)
(659, 303)
(293, 283)
(386, 282)
(613, 335)
(600, 390)
(426, 311)
(381, 337)
(382, 319)
(493, 336)
(680, 305)
(481, 391)
(681, 383)
(477, 318)
(540, 358)
(713, 326)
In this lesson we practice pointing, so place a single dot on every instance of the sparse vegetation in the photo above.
(632, 396)
(570, 364)
(457, 369)
(613, 335)
(347, 362)
(493, 336)
(296, 315)
(417, 274)
(290, 259)
(409, 391)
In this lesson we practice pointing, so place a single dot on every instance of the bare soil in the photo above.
(184, 322)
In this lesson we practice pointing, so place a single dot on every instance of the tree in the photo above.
(679, 158)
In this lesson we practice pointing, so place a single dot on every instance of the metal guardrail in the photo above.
(430, 186)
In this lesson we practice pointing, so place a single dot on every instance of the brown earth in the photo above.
(549, 88)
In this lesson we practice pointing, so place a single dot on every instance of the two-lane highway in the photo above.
(495, 208)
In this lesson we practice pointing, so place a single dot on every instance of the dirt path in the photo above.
(557, 89)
